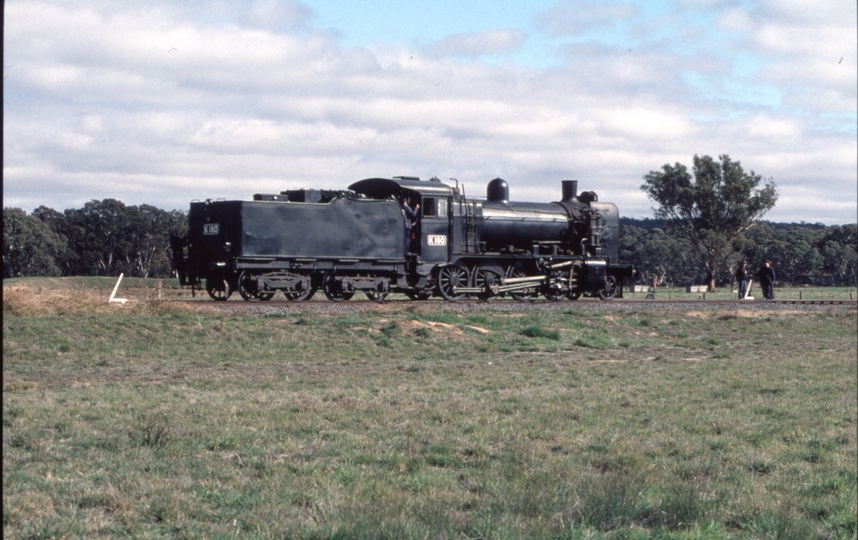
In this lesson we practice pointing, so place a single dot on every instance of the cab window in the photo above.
(433, 207)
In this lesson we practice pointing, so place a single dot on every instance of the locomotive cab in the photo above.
(434, 229)
(431, 230)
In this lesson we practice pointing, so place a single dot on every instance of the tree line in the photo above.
(104, 238)
(801, 254)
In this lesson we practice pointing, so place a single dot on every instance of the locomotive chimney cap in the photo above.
(570, 190)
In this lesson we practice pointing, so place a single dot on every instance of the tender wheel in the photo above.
(376, 296)
(248, 288)
(450, 277)
(488, 278)
(299, 296)
(218, 289)
(333, 289)
(523, 295)
(610, 290)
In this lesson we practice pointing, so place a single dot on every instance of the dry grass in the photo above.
(155, 420)
(22, 301)
(28, 302)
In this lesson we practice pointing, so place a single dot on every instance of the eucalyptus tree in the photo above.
(30, 247)
(98, 234)
(713, 208)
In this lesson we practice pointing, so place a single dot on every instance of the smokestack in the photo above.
(570, 190)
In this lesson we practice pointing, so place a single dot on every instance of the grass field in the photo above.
(162, 421)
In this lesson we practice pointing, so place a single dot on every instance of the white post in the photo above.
(115, 288)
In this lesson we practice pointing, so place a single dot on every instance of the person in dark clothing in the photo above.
(177, 246)
(407, 215)
(767, 280)
(743, 275)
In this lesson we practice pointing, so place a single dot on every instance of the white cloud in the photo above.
(490, 42)
(276, 14)
(167, 104)
(736, 20)
(809, 50)
(572, 18)
(810, 12)
(772, 128)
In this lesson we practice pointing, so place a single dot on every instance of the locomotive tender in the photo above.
(342, 242)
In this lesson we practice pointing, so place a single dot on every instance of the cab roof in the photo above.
(385, 188)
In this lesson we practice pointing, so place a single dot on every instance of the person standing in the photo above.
(767, 280)
(743, 275)
(407, 215)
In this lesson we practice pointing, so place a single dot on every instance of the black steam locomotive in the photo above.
(342, 242)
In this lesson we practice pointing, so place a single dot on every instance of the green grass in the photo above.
(413, 423)
(726, 293)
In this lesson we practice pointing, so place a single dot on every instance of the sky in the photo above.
(166, 101)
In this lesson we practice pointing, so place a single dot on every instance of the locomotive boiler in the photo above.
(343, 242)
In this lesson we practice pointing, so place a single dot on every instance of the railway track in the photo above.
(502, 304)
(753, 302)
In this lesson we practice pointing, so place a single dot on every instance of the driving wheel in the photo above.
(450, 277)
(488, 279)
(522, 295)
